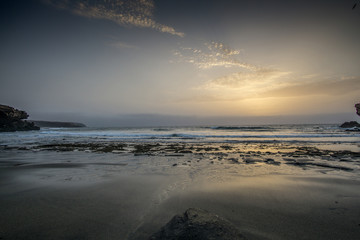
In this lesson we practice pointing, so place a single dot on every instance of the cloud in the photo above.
(216, 54)
(120, 45)
(249, 80)
(243, 85)
(212, 54)
(239, 80)
(277, 84)
(297, 96)
(329, 87)
(137, 13)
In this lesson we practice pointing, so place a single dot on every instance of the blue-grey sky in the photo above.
(228, 59)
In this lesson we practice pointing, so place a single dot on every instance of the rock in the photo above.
(198, 224)
(185, 151)
(350, 124)
(250, 160)
(353, 124)
(234, 160)
(11, 120)
(272, 161)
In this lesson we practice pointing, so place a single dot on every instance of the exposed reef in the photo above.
(12, 120)
(238, 154)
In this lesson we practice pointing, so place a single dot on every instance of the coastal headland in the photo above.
(12, 119)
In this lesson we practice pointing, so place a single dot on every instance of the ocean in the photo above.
(319, 135)
(270, 181)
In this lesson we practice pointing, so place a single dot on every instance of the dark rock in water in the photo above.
(353, 124)
(353, 130)
(198, 224)
(234, 160)
(52, 124)
(272, 161)
(350, 124)
(11, 120)
(250, 160)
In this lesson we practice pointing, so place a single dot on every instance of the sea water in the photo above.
(327, 136)
(83, 194)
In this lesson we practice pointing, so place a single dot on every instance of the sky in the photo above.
(178, 62)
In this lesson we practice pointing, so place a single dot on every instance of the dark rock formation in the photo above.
(198, 224)
(357, 106)
(351, 124)
(11, 120)
(51, 124)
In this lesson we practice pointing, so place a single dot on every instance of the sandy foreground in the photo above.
(46, 194)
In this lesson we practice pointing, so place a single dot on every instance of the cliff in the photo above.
(12, 120)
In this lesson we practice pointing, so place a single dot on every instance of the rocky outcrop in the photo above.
(198, 224)
(351, 124)
(355, 126)
(51, 124)
(12, 120)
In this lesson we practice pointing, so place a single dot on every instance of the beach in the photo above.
(179, 120)
(59, 188)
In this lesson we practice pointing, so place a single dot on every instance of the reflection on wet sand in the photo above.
(268, 191)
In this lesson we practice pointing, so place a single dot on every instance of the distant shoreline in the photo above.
(40, 123)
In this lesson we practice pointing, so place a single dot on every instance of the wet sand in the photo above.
(82, 195)
(275, 207)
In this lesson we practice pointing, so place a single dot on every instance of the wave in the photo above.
(207, 134)
(161, 129)
(290, 141)
(263, 136)
(219, 134)
(245, 128)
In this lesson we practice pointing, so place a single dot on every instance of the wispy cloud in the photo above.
(250, 86)
(239, 87)
(261, 78)
(247, 80)
(211, 55)
(137, 13)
